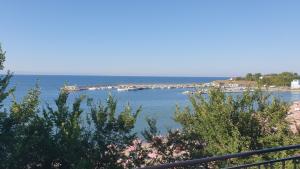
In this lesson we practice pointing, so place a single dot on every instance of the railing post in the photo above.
(283, 164)
(271, 165)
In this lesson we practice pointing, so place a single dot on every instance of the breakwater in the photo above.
(132, 87)
(192, 88)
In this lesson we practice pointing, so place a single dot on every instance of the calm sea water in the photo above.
(156, 103)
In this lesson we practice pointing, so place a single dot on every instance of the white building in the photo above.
(295, 84)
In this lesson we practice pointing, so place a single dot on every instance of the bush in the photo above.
(230, 125)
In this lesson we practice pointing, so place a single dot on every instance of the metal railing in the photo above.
(207, 163)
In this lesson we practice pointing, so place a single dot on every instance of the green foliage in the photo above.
(211, 123)
(58, 138)
(31, 140)
(229, 125)
(62, 137)
(281, 79)
(6, 134)
(112, 135)
(67, 132)
(151, 131)
(2, 58)
(253, 77)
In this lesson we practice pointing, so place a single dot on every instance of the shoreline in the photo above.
(251, 85)
(133, 87)
(233, 87)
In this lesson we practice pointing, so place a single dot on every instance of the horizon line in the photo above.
(46, 74)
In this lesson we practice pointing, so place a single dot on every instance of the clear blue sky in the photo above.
(151, 37)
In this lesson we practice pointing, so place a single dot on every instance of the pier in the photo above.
(132, 87)
(192, 88)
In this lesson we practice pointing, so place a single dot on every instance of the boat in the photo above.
(93, 88)
(122, 89)
(187, 92)
(128, 89)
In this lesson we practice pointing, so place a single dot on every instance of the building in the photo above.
(295, 84)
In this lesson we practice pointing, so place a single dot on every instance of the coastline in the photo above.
(225, 85)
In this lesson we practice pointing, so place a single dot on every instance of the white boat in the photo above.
(128, 89)
(122, 89)
(93, 88)
(186, 92)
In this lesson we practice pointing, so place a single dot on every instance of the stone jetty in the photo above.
(132, 87)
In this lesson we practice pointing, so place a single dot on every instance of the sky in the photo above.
(150, 37)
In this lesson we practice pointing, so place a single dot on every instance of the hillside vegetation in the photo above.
(281, 79)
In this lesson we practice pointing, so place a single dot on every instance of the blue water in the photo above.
(156, 103)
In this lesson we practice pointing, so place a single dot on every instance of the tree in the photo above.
(2, 58)
(6, 136)
(257, 76)
(229, 125)
(249, 77)
(62, 137)
(113, 133)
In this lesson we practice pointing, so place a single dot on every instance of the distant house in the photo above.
(295, 84)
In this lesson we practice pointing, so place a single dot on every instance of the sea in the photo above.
(156, 103)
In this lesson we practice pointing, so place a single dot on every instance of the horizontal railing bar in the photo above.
(265, 162)
(220, 158)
